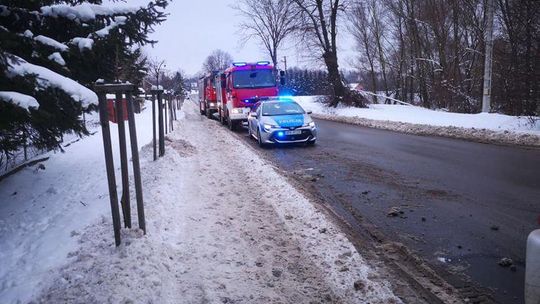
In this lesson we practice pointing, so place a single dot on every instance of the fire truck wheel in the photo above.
(208, 113)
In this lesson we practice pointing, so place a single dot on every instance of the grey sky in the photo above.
(196, 27)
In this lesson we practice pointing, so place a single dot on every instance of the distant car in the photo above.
(279, 120)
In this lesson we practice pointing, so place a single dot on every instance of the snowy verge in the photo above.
(223, 227)
(42, 207)
(487, 128)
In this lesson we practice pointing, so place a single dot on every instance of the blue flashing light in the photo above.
(263, 63)
(239, 64)
(280, 134)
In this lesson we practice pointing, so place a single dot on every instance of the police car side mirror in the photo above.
(309, 112)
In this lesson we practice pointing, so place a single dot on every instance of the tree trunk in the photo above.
(331, 61)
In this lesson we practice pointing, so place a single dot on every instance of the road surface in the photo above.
(460, 205)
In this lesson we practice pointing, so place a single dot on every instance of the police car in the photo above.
(281, 120)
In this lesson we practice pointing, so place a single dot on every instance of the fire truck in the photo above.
(207, 95)
(241, 86)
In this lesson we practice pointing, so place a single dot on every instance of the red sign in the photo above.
(112, 110)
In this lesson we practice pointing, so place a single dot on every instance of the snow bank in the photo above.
(48, 78)
(484, 127)
(41, 209)
(51, 42)
(21, 100)
(87, 11)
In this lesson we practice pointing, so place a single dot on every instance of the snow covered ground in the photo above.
(41, 208)
(223, 227)
(417, 120)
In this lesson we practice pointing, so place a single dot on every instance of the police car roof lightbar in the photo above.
(239, 64)
(263, 63)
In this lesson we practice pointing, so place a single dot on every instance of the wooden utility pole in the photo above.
(488, 36)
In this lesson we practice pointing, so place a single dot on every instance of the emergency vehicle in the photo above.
(241, 86)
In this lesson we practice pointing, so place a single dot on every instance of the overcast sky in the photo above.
(196, 27)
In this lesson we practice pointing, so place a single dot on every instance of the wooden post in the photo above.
(171, 113)
(135, 160)
(109, 164)
(161, 126)
(154, 123)
(165, 112)
(126, 206)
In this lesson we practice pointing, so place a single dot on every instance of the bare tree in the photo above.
(360, 28)
(156, 68)
(319, 25)
(269, 21)
(218, 60)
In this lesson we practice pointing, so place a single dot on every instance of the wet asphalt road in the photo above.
(464, 205)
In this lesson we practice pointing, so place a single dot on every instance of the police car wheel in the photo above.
(259, 139)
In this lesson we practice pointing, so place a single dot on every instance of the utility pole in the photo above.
(488, 68)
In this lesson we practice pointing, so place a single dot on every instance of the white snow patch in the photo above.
(28, 34)
(48, 78)
(419, 115)
(43, 210)
(120, 20)
(87, 11)
(56, 57)
(51, 42)
(19, 99)
(83, 43)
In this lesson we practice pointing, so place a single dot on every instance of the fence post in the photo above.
(161, 125)
(171, 113)
(109, 164)
(125, 202)
(165, 110)
(154, 93)
(136, 164)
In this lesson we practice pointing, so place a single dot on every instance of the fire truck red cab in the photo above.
(207, 95)
(241, 86)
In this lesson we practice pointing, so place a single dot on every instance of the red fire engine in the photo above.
(239, 87)
(207, 95)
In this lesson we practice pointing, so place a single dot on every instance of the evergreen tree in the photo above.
(53, 51)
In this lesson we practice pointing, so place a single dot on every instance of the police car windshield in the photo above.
(281, 108)
(253, 79)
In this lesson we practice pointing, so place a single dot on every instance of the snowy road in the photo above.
(463, 203)
(223, 227)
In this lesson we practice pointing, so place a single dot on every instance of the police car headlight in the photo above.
(268, 127)
(310, 124)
